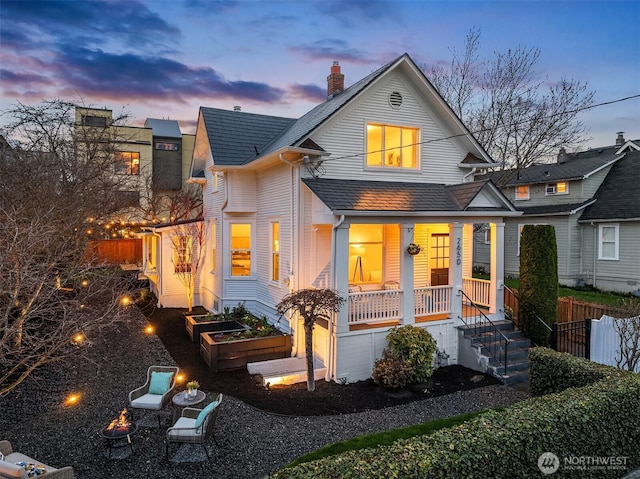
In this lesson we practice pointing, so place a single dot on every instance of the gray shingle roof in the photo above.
(619, 194)
(358, 195)
(236, 137)
(576, 167)
(554, 209)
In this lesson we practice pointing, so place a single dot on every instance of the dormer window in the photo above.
(559, 188)
(392, 146)
(522, 192)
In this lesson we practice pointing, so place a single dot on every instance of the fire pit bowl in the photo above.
(118, 433)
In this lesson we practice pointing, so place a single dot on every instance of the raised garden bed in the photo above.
(220, 353)
(195, 325)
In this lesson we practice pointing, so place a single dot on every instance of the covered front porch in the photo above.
(414, 274)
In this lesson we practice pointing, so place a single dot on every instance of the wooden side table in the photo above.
(181, 400)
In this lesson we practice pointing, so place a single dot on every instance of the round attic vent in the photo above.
(395, 99)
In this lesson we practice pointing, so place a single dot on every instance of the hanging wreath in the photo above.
(413, 249)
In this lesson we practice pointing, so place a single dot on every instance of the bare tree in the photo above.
(189, 239)
(179, 205)
(311, 304)
(628, 330)
(52, 297)
(518, 117)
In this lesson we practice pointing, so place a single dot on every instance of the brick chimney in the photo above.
(562, 155)
(620, 140)
(335, 81)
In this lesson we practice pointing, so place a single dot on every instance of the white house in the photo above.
(333, 200)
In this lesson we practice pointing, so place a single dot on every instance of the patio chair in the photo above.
(14, 465)
(195, 426)
(157, 391)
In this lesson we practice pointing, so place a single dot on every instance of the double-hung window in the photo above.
(183, 249)
(608, 242)
(240, 249)
(559, 188)
(522, 192)
(392, 146)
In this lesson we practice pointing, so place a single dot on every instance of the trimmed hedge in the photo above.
(552, 372)
(597, 420)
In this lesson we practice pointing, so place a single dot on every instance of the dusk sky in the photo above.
(165, 59)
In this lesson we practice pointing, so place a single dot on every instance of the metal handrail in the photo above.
(540, 320)
(476, 326)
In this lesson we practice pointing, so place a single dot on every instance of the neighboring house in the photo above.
(333, 200)
(151, 160)
(593, 201)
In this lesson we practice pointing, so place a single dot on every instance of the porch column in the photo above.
(497, 268)
(455, 259)
(406, 275)
(340, 268)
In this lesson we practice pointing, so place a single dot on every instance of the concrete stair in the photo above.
(489, 340)
(285, 371)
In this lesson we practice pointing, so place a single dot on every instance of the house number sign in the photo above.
(458, 251)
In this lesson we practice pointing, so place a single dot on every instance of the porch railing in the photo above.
(478, 290)
(432, 300)
(375, 306)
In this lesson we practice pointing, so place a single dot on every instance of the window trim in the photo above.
(522, 198)
(213, 249)
(616, 241)
(186, 252)
(384, 166)
(554, 188)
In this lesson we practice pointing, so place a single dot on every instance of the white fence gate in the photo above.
(605, 342)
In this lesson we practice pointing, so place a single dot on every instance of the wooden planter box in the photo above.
(236, 354)
(196, 328)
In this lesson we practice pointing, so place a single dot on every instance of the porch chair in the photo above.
(156, 393)
(14, 464)
(195, 426)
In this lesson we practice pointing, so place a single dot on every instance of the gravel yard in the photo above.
(253, 443)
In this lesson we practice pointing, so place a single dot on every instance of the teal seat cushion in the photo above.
(160, 382)
(204, 412)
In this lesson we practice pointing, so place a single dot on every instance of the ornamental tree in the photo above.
(311, 305)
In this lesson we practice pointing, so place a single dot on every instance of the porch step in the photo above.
(285, 371)
(488, 340)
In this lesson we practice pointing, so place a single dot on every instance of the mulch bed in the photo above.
(328, 398)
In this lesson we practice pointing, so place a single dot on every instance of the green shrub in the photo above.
(416, 346)
(538, 290)
(552, 372)
(391, 371)
(600, 420)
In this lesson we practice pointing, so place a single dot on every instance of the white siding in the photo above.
(345, 138)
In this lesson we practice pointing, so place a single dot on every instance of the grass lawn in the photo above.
(386, 438)
(581, 294)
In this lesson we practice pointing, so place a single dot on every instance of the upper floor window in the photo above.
(522, 192)
(275, 251)
(127, 162)
(559, 188)
(608, 240)
(167, 146)
(392, 146)
(240, 249)
(95, 121)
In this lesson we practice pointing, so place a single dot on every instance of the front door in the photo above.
(439, 262)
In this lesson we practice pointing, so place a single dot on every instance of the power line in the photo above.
(434, 140)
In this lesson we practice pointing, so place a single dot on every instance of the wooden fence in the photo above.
(570, 310)
(116, 251)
